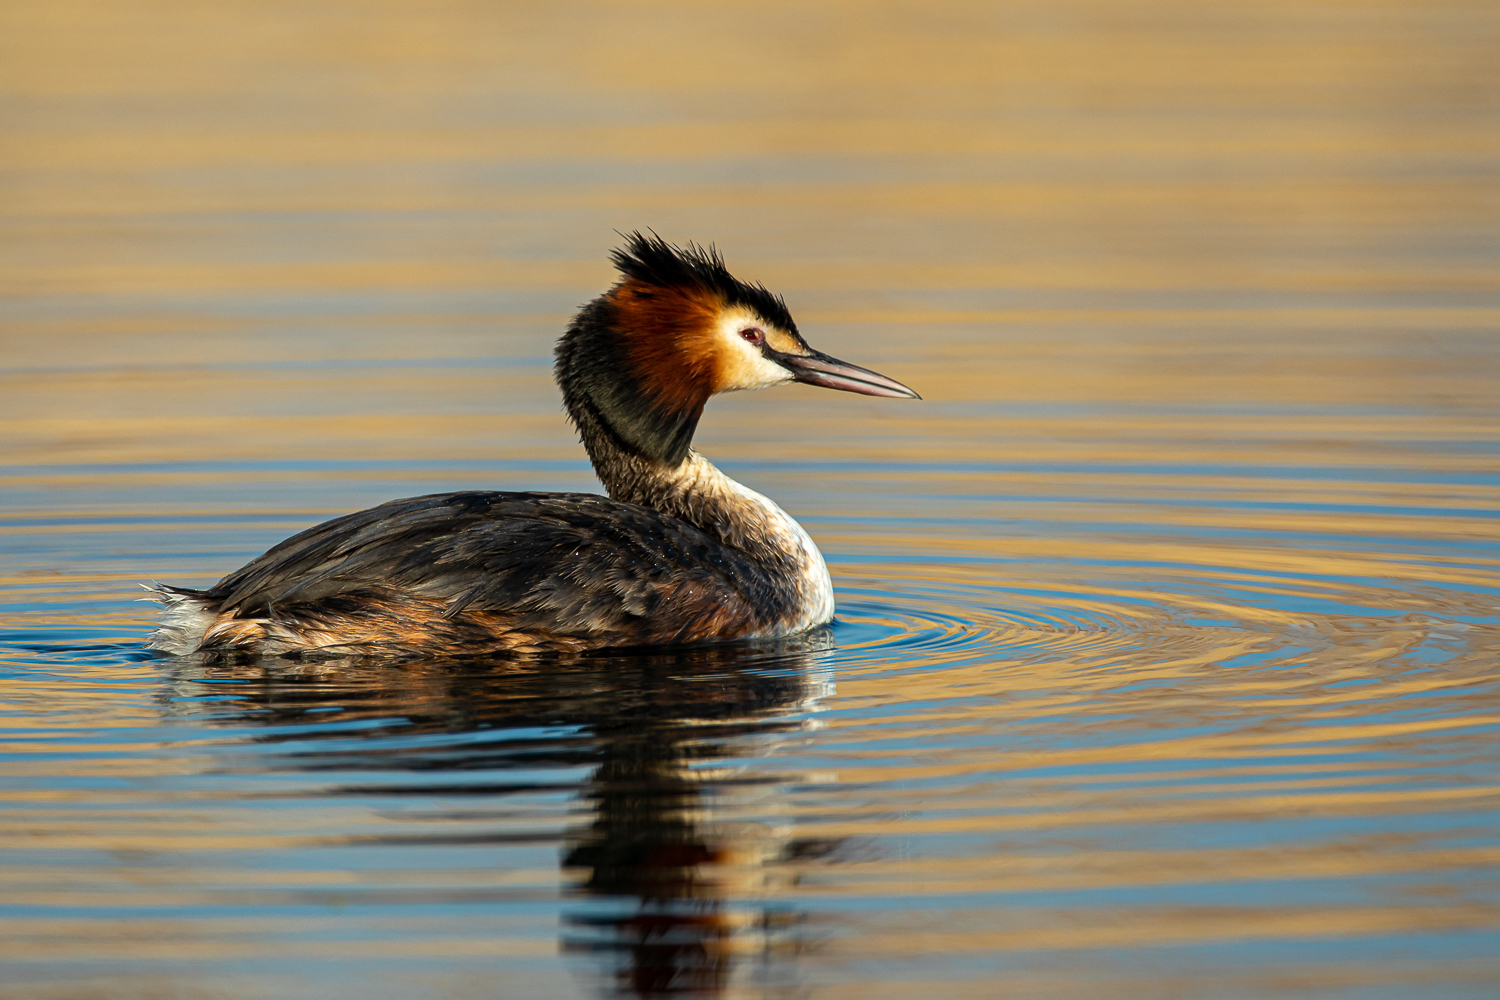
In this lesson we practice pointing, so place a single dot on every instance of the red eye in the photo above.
(753, 334)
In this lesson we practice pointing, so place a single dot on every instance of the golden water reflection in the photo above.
(1166, 662)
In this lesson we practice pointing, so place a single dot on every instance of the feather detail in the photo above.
(487, 572)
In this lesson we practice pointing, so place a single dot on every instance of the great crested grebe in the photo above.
(679, 553)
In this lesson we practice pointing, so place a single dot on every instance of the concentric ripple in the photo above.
(1209, 598)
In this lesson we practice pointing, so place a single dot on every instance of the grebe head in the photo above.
(639, 362)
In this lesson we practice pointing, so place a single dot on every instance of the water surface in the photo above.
(1168, 647)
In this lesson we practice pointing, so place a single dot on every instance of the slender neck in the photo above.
(641, 450)
(793, 587)
(641, 445)
(693, 490)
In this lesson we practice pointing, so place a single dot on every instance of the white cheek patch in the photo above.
(741, 364)
(760, 373)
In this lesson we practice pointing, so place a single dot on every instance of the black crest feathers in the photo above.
(651, 260)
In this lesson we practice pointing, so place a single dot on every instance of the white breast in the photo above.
(815, 587)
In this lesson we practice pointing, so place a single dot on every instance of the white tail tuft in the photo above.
(184, 619)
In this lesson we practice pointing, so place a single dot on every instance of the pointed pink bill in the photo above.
(831, 373)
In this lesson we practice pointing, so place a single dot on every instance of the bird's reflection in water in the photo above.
(665, 843)
(672, 880)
